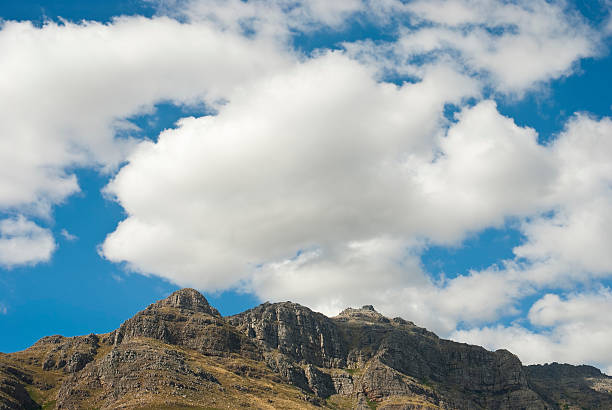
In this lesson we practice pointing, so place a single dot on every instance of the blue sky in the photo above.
(448, 163)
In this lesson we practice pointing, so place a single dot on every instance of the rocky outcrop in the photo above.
(309, 378)
(288, 369)
(294, 330)
(319, 382)
(186, 319)
(367, 313)
(399, 357)
(343, 384)
(468, 375)
(564, 384)
(69, 354)
(133, 366)
(560, 371)
(187, 299)
(380, 381)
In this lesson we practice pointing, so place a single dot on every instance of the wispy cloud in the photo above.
(118, 278)
(68, 236)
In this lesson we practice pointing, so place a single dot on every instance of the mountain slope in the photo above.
(181, 353)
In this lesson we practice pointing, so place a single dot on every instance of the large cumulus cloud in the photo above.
(68, 88)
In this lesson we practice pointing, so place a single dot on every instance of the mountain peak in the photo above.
(188, 299)
(366, 313)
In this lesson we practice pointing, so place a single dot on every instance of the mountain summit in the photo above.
(366, 313)
(189, 299)
(181, 353)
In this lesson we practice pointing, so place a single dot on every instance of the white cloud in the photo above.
(513, 46)
(22, 242)
(265, 17)
(66, 89)
(488, 169)
(607, 25)
(68, 236)
(118, 278)
(281, 168)
(575, 240)
(577, 330)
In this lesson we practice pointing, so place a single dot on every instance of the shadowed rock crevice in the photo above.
(13, 382)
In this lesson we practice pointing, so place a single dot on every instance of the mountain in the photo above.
(180, 353)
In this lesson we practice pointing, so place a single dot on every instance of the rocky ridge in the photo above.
(181, 353)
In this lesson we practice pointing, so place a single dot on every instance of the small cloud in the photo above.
(23, 242)
(68, 236)
(3, 309)
(117, 278)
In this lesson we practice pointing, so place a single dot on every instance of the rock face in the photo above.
(571, 385)
(398, 357)
(180, 352)
(294, 330)
(69, 354)
(491, 377)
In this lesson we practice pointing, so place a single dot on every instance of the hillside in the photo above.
(180, 353)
